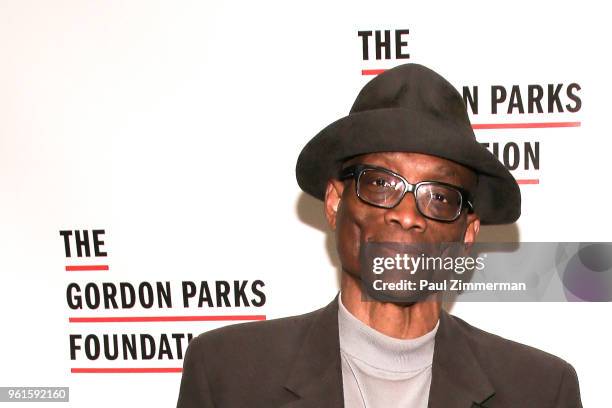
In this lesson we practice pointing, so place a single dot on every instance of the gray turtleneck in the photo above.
(382, 371)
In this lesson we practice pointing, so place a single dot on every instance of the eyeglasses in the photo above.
(383, 188)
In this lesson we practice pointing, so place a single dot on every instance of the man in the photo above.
(404, 167)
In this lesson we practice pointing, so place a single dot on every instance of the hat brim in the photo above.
(497, 197)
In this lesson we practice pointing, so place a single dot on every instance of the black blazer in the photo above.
(294, 362)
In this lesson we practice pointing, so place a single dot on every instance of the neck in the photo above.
(399, 321)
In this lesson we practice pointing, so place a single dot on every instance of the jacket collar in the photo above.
(316, 374)
(458, 380)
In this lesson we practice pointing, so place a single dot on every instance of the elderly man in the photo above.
(404, 167)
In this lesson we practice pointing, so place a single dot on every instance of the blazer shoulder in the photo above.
(256, 353)
(516, 368)
(268, 343)
(511, 352)
(273, 329)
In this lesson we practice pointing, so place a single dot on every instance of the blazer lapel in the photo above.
(458, 380)
(316, 374)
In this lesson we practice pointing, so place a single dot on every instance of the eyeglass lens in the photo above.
(386, 190)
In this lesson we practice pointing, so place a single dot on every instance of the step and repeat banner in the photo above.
(147, 171)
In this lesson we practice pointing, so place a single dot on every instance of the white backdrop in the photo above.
(142, 117)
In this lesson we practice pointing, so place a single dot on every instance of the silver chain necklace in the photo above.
(356, 380)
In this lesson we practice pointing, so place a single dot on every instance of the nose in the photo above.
(406, 215)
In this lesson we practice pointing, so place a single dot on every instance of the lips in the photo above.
(391, 247)
(396, 239)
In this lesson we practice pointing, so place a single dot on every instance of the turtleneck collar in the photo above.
(376, 349)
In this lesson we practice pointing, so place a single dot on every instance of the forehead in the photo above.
(417, 166)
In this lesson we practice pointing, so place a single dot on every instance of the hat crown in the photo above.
(414, 87)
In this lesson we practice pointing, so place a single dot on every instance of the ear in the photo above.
(333, 196)
(472, 229)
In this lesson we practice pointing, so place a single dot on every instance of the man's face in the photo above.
(356, 222)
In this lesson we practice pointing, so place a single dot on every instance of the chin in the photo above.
(399, 298)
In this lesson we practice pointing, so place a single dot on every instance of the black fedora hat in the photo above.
(411, 108)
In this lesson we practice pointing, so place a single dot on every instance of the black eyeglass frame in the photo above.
(355, 171)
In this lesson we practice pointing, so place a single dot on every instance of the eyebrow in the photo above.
(440, 170)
